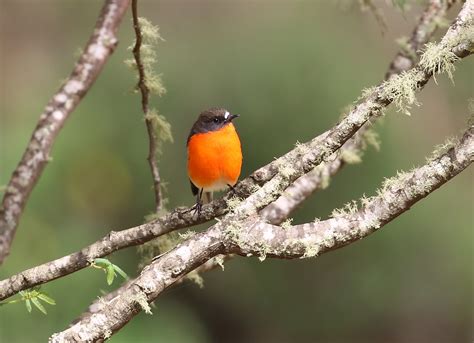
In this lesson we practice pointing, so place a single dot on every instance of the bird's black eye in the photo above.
(216, 120)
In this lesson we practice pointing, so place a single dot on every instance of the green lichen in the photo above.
(371, 138)
(285, 167)
(263, 250)
(310, 250)
(148, 56)
(442, 148)
(161, 129)
(233, 202)
(401, 90)
(348, 209)
(194, 276)
(438, 59)
(157, 246)
(365, 201)
(141, 299)
(273, 189)
(324, 175)
(302, 149)
(232, 231)
(368, 222)
(286, 225)
(149, 31)
(219, 260)
(365, 94)
(351, 155)
(186, 235)
(150, 38)
(107, 333)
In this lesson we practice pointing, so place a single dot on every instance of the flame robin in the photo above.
(214, 154)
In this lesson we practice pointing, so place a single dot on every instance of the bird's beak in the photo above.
(232, 117)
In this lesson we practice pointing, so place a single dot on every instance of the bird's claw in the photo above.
(232, 189)
(197, 208)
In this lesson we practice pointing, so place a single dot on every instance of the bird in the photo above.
(214, 154)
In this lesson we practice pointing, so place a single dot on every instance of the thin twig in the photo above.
(145, 92)
(100, 46)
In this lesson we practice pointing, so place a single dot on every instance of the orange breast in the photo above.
(215, 158)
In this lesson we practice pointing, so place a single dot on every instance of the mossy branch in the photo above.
(158, 128)
(431, 18)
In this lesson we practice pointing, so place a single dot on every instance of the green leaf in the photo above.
(109, 268)
(110, 275)
(28, 305)
(120, 271)
(38, 305)
(46, 299)
(102, 262)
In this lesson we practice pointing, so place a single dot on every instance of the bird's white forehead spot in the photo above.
(226, 114)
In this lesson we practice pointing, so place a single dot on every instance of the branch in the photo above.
(96, 53)
(319, 178)
(255, 237)
(429, 21)
(348, 225)
(145, 92)
(259, 189)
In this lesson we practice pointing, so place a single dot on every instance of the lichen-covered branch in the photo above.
(253, 236)
(350, 224)
(113, 241)
(96, 53)
(256, 192)
(431, 18)
(319, 178)
(145, 93)
(352, 150)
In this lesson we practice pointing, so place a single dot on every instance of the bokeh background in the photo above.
(289, 68)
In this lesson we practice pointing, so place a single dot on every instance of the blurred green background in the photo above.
(289, 68)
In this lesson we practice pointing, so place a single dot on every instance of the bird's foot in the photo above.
(197, 208)
(232, 189)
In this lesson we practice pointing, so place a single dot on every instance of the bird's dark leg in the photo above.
(232, 189)
(198, 206)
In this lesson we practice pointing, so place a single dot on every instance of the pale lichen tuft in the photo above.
(141, 299)
(401, 88)
(196, 278)
(286, 225)
(437, 59)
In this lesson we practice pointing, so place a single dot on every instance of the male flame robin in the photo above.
(214, 154)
